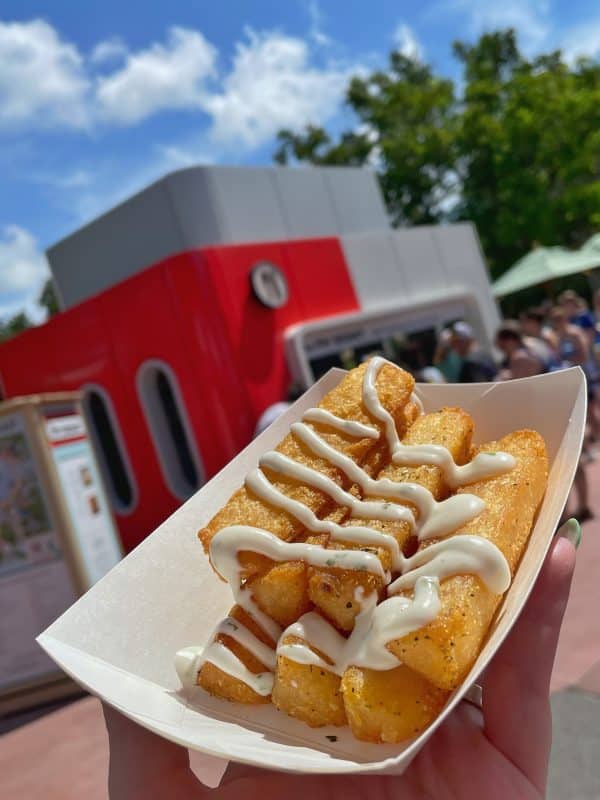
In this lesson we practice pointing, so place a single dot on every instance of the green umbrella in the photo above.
(592, 245)
(543, 264)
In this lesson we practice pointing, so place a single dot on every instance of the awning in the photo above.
(546, 263)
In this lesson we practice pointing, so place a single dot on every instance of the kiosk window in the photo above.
(169, 428)
(107, 439)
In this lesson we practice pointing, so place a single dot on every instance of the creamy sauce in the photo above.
(347, 426)
(375, 625)
(484, 465)
(189, 661)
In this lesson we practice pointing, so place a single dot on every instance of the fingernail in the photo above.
(571, 530)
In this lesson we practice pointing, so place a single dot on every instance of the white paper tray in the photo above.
(118, 640)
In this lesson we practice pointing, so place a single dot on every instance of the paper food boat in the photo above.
(119, 640)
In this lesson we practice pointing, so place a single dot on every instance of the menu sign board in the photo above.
(35, 581)
(84, 495)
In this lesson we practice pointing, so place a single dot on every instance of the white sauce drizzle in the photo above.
(227, 543)
(375, 625)
(189, 661)
(484, 465)
(348, 426)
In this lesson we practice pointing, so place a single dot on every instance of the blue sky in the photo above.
(99, 99)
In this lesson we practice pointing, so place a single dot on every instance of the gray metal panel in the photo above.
(305, 202)
(374, 268)
(246, 204)
(460, 252)
(129, 237)
(357, 199)
(417, 253)
(191, 194)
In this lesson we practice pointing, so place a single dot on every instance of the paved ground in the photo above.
(63, 755)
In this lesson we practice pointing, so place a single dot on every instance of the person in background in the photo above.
(572, 346)
(596, 309)
(573, 350)
(522, 358)
(445, 358)
(274, 411)
(476, 365)
(534, 328)
(578, 313)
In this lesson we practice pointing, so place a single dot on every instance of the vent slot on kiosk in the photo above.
(107, 438)
(169, 427)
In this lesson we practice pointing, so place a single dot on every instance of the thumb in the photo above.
(516, 686)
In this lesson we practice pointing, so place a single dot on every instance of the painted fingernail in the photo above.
(571, 530)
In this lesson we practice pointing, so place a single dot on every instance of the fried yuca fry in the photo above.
(220, 683)
(391, 705)
(394, 387)
(308, 692)
(281, 589)
(287, 584)
(444, 650)
(311, 693)
(333, 591)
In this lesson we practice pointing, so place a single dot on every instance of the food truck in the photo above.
(194, 305)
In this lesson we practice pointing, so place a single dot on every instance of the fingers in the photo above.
(516, 686)
(144, 765)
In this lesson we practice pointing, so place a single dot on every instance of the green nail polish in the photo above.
(571, 530)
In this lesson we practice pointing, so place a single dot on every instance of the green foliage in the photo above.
(48, 298)
(20, 322)
(14, 325)
(517, 150)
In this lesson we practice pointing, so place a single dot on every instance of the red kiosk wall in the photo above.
(71, 351)
(145, 326)
(319, 285)
(219, 410)
(196, 312)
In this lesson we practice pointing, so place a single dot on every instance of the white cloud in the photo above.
(109, 50)
(42, 77)
(273, 82)
(183, 155)
(316, 32)
(407, 42)
(272, 85)
(530, 18)
(23, 270)
(164, 76)
(582, 40)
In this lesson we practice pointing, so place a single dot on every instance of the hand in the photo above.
(499, 752)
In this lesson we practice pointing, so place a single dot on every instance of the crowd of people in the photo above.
(543, 339)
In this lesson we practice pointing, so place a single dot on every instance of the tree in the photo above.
(529, 139)
(405, 131)
(14, 325)
(48, 298)
(517, 150)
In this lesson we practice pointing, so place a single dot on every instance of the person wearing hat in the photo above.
(476, 365)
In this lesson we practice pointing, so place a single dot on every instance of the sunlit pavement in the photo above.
(64, 755)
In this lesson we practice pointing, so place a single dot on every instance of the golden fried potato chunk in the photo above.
(333, 591)
(394, 387)
(307, 692)
(444, 650)
(391, 705)
(220, 683)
